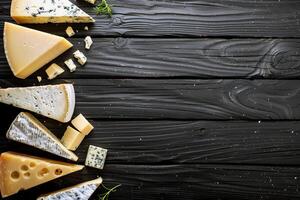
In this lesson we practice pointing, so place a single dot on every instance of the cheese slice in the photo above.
(72, 138)
(28, 130)
(47, 11)
(53, 101)
(27, 50)
(21, 172)
(81, 191)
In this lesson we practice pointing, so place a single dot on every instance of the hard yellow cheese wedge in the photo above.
(27, 50)
(21, 172)
(47, 11)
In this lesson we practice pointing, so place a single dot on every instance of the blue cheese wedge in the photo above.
(96, 157)
(80, 57)
(81, 191)
(52, 101)
(47, 11)
(28, 130)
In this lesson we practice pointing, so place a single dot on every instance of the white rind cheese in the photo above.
(96, 157)
(53, 101)
(80, 57)
(28, 130)
(81, 191)
(47, 11)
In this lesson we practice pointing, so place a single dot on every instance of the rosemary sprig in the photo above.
(103, 8)
(106, 195)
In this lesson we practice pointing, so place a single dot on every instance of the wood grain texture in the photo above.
(141, 182)
(183, 98)
(184, 142)
(204, 58)
(266, 18)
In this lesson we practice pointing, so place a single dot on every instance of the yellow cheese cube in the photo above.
(72, 138)
(82, 125)
(21, 172)
(54, 70)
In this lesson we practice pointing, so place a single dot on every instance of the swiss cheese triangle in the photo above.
(53, 101)
(21, 172)
(81, 191)
(47, 11)
(27, 50)
(28, 130)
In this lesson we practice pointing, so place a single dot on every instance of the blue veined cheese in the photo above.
(28, 130)
(96, 157)
(47, 11)
(81, 58)
(81, 191)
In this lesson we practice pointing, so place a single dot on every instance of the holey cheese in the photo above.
(27, 50)
(53, 101)
(21, 172)
(47, 11)
(28, 130)
(81, 191)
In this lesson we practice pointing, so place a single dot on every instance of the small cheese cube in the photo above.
(70, 32)
(54, 70)
(96, 157)
(82, 125)
(80, 57)
(91, 1)
(88, 42)
(70, 64)
(39, 78)
(86, 28)
(72, 138)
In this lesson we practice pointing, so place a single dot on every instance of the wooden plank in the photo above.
(266, 18)
(141, 182)
(183, 98)
(204, 58)
(188, 142)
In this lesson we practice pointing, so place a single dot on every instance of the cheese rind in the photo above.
(82, 191)
(53, 71)
(47, 11)
(53, 101)
(72, 138)
(21, 172)
(82, 124)
(27, 50)
(96, 157)
(28, 130)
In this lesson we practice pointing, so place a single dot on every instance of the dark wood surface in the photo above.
(193, 99)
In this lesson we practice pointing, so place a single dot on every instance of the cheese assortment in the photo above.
(53, 71)
(27, 50)
(21, 172)
(28, 130)
(72, 138)
(81, 191)
(53, 101)
(82, 124)
(96, 157)
(47, 11)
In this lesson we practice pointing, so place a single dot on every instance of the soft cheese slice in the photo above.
(81, 191)
(27, 50)
(47, 11)
(53, 101)
(28, 130)
(21, 172)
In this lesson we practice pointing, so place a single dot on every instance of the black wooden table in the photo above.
(194, 99)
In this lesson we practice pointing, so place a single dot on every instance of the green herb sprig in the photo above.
(109, 191)
(103, 8)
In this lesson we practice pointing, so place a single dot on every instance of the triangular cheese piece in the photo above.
(47, 11)
(21, 172)
(81, 191)
(28, 130)
(27, 50)
(53, 101)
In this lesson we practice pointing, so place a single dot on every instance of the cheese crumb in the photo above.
(86, 28)
(39, 78)
(54, 70)
(70, 64)
(88, 42)
(70, 32)
(80, 57)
